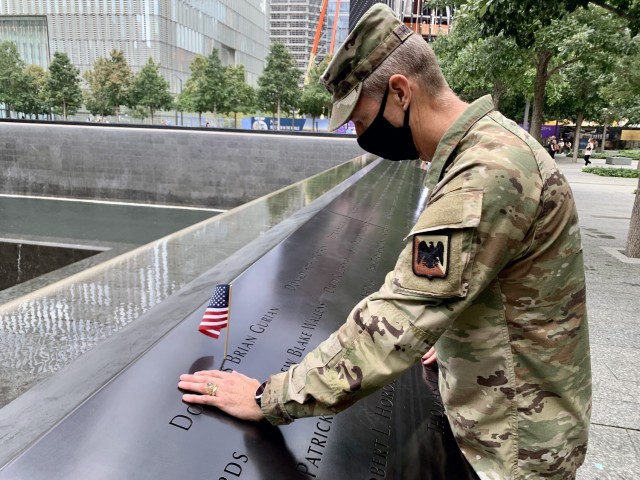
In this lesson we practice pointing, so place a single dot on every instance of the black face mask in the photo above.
(383, 139)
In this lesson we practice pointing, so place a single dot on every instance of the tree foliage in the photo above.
(32, 98)
(278, 85)
(214, 88)
(206, 89)
(476, 66)
(240, 95)
(315, 99)
(555, 37)
(149, 91)
(193, 98)
(109, 83)
(10, 74)
(522, 19)
(622, 93)
(63, 85)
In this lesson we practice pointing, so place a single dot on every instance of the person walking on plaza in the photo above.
(553, 146)
(491, 276)
(588, 150)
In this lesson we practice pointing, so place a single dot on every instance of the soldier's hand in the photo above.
(231, 392)
(429, 357)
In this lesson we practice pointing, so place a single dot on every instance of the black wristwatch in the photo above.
(259, 393)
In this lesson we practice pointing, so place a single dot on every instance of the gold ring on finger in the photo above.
(211, 389)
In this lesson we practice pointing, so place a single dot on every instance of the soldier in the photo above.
(505, 309)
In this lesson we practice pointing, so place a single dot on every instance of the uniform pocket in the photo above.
(440, 247)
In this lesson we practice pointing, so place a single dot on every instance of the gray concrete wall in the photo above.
(201, 167)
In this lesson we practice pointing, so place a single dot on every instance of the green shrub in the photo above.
(633, 154)
(613, 172)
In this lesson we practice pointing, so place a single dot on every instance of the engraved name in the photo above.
(382, 411)
(242, 349)
(437, 420)
(295, 283)
(315, 449)
(306, 332)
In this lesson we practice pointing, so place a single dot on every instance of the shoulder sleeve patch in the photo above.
(431, 255)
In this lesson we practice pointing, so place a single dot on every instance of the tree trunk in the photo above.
(151, 112)
(604, 136)
(278, 113)
(576, 138)
(235, 119)
(633, 239)
(525, 120)
(200, 118)
(64, 109)
(215, 115)
(543, 57)
(498, 91)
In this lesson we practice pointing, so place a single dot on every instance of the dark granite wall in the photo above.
(210, 168)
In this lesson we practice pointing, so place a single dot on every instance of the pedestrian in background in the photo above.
(588, 151)
(553, 146)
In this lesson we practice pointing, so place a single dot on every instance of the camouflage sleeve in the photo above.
(445, 264)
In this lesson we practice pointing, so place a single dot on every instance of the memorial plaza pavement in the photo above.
(613, 298)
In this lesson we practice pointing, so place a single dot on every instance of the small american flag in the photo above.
(216, 316)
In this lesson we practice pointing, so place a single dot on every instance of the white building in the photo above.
(171, 32)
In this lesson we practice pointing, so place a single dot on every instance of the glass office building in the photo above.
(294, 23)
(337, 22)
(30, 35)
(171, 32)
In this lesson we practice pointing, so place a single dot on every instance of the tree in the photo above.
(241, 96)
(32, 99)
(214, 89)
(633, 238)
(582, 83)
(149, 91)
(315, 99)
(555, 38)
(193, 97)
(475, 66)
(109, 83)
(511, 17)
(63, 85)
(623, 91)
(278, 85)
(10, 74)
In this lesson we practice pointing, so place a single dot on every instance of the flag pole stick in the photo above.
(226, 338)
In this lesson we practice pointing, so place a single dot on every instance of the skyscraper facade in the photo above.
(171, 32)
(293, 23)
(337, 21)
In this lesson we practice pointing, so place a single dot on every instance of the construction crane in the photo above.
(316, 40)
(335, 28)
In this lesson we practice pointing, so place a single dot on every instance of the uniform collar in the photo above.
(452, 137)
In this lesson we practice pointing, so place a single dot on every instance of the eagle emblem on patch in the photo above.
(431, 255)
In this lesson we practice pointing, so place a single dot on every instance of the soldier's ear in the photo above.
(400, 90)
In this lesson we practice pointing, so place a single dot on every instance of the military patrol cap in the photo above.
(378, 33)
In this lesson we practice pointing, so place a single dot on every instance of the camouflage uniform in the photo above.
(492, 272)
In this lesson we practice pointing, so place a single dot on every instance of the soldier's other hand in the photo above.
(429, 357)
